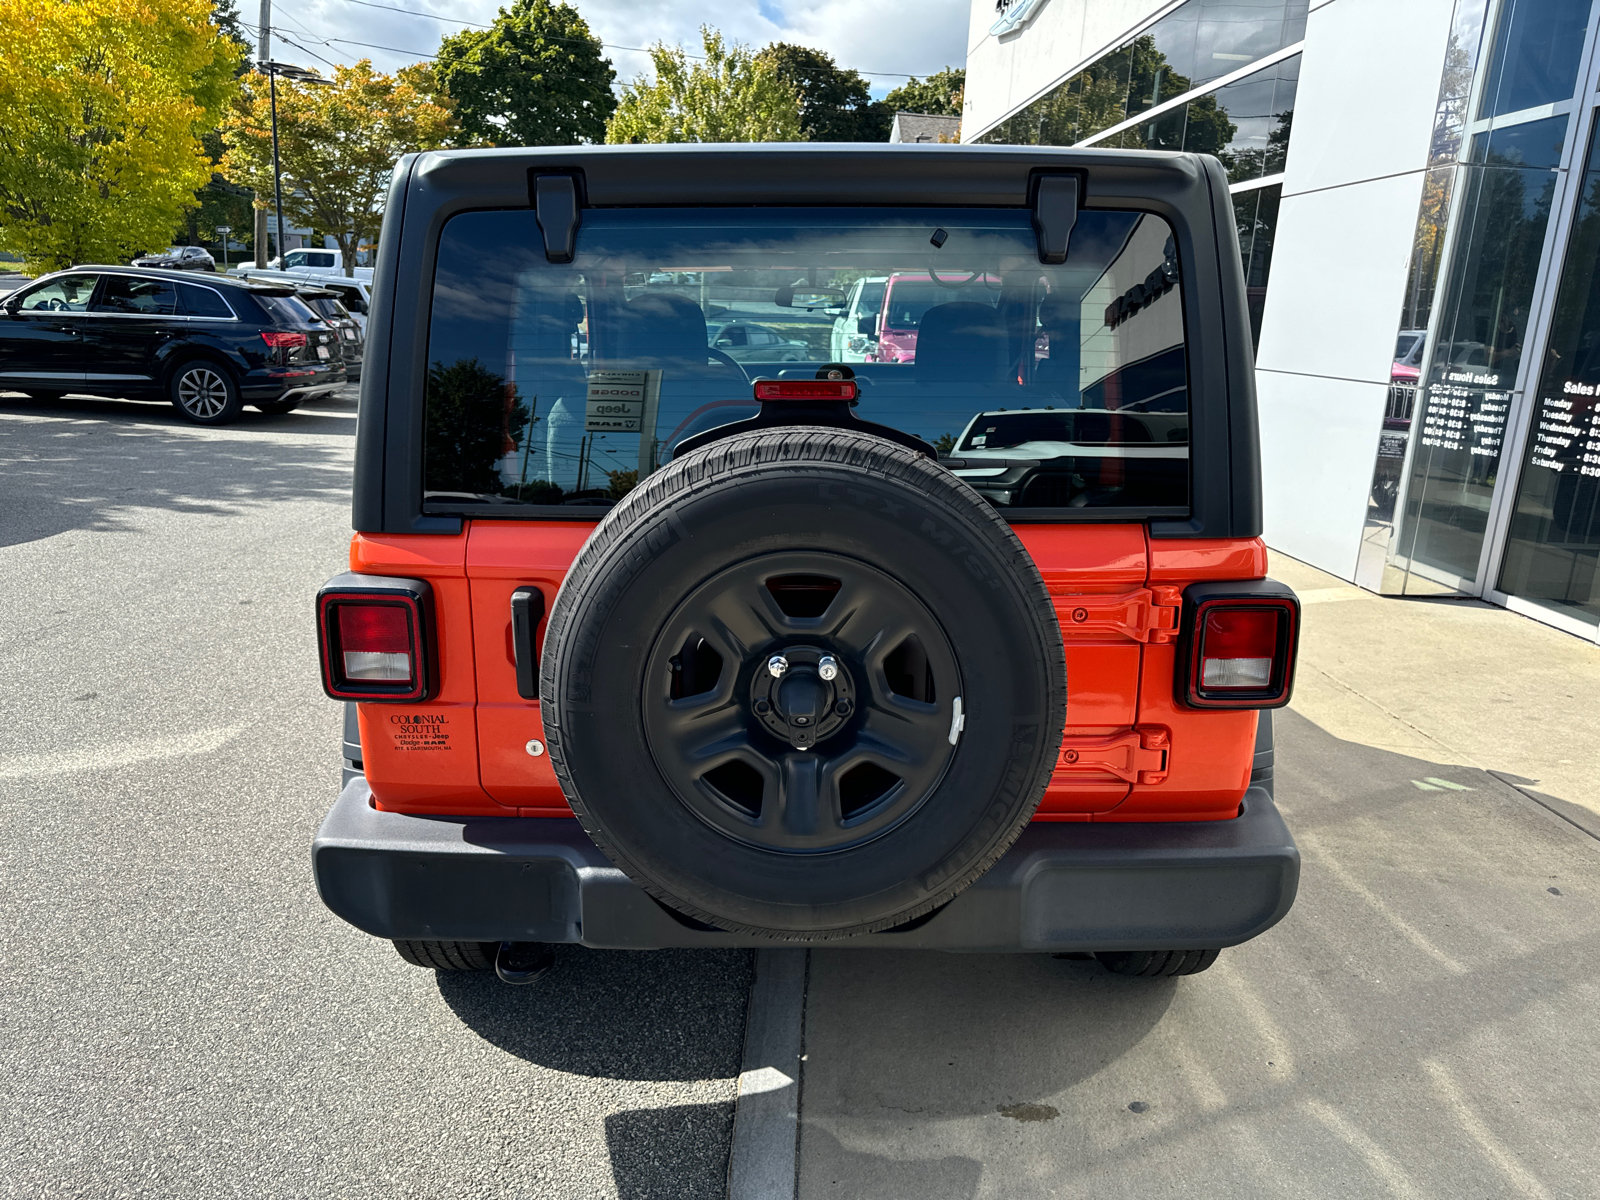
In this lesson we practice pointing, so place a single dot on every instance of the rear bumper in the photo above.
(1061, 887)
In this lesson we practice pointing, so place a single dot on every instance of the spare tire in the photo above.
(803, 683)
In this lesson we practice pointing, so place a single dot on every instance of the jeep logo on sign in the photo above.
(1014, 14)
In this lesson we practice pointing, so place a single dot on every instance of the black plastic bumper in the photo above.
(1062, 887)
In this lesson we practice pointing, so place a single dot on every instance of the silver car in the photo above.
(745, 341)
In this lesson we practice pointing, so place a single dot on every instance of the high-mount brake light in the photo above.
(279, 339)
(1241, 647)
(374, 639)
(807, 389)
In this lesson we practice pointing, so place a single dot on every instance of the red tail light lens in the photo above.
(807, 389)
(1237, 648)
(1241, 651)
(282, 340)
(374, 638)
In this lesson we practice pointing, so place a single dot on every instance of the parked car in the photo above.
(905, 298)
(787, 679)
(309, 261)
(1407, 366)
(848, 343)
(179, 258)
(354, 292)
(352, 342)
(210, 347)
(745, 341)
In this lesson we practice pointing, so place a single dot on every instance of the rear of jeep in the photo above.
(647, 646)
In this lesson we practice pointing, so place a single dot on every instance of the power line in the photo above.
(411, 12)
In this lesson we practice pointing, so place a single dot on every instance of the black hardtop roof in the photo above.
(804, 172)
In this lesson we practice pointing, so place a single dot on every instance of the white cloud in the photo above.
(915, 37)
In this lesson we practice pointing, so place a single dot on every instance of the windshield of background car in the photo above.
(565, 384)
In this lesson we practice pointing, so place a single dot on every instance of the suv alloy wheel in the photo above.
(205, 393)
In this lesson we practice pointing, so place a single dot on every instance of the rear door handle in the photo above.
(527, 610)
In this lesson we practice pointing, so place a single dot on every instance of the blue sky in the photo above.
(891, 37)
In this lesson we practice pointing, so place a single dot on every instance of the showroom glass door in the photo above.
(1509, 200)
(1552, 546)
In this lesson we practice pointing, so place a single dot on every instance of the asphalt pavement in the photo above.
(180, 1015)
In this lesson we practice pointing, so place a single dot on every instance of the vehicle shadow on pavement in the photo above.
(660, 1153)
(1443, 959)
(657, 1015)
(97, 461)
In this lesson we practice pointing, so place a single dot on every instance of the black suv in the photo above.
(210, 346)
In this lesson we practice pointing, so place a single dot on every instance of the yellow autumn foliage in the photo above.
(102, 104)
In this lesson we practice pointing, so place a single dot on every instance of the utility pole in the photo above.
(263, 54)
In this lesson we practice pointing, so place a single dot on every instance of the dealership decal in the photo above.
(420, 731)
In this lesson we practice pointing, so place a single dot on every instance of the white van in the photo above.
(848, 343)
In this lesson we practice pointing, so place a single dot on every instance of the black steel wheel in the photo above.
(819, 726)
(803, 683)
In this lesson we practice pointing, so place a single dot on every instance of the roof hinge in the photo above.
(556, 205)
(1056, 197)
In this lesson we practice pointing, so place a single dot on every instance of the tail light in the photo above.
(807, 389)
(1239, 645)
(278, 339)
(375, 635)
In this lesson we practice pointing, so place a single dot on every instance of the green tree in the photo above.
(337, 145)
(538, 77)
(474, 420)
(102, 107)
(939, 95)
(730, 97)
(835, 105)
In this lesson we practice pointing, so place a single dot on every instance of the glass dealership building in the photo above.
(1417, 191)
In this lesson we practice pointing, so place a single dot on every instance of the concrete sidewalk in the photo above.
(1419, 1026)
(1452, 681)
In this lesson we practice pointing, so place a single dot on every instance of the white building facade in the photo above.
(1417, 190)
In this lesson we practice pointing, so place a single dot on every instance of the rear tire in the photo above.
(449, 956)
(204, 392)
(1152, 964)
(278, 408)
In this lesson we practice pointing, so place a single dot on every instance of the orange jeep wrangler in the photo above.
(654, 637)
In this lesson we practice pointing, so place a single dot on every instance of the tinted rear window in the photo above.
(287, 310)
(566, 383)
(200, 301)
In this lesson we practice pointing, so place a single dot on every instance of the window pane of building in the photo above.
(1462, 415)
(1534, 57)
(1186, 49)
(1554, 542)
(1256, 212)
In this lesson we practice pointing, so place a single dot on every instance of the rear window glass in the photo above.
(200, 301)
(1042, 386)
(288, 310)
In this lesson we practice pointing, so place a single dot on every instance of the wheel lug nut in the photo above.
(777, 665)
(828, 666)
(763, 707)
